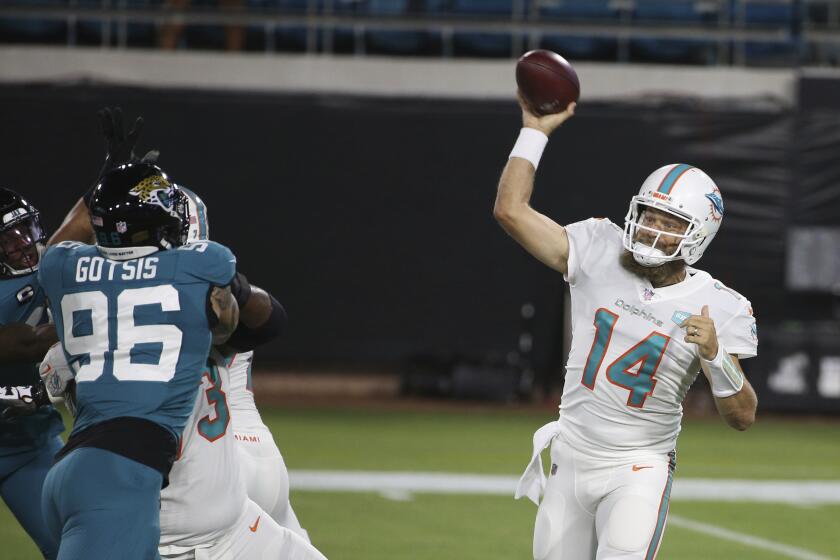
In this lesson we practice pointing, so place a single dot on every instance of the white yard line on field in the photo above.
(803, 492)
(400, 486)
(741, 538)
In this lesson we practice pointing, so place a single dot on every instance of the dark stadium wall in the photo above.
(371, 220)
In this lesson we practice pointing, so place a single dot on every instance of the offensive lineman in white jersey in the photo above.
(261, 464)
(198, 521)
(205, 511)
(643, 324)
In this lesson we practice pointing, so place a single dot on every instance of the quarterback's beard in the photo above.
(656, 275)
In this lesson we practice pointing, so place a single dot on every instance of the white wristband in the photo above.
(530, 146)
(725, 377)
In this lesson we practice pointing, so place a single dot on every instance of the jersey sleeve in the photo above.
(739, 335)
(588, 240)
(210, 262)
(50, 265)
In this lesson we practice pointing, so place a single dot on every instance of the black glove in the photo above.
(23, 401)
(119, 144)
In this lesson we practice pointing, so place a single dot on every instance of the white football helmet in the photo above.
(685, 192)
(199, 225)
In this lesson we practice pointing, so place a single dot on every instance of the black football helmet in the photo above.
(21, 235)
(136, 210)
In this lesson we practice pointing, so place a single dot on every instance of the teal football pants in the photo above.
(102, 505)
(21, 480)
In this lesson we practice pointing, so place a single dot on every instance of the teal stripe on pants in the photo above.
(660, 521)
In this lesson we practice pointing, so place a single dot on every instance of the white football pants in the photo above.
(602, 510)
(266, 477)
(254, 536)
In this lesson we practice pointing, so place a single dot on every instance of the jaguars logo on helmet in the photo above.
(136, 210)
(155, 190)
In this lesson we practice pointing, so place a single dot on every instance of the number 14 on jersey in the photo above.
(634, 370)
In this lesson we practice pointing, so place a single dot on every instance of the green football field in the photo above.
(372, 525)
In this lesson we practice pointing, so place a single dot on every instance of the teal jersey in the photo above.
(22, 301)
(136, 332)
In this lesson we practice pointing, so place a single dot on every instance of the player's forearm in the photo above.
(75, 227)
(739, 409)
(20, 342)
(227, 312)
(539, 235)
(514, 192)
(222, 331)
(513, 210)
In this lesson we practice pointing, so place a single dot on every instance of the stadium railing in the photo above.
(729, 32)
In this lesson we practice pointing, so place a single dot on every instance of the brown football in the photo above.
(547, 81)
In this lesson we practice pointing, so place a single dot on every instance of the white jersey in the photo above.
(262, 466)
(629, 368)
(246, 417)
(206, 492)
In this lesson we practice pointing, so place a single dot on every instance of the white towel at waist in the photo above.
(532, 482)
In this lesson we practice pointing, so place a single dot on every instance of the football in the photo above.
(547, 81)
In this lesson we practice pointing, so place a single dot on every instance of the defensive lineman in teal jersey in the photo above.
(157, 304)
(136, 315)
(28, 440)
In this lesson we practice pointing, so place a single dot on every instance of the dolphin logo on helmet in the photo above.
(717, 205)
(685, 192)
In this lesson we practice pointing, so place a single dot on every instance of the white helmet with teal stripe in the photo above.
(199, 226)
(685, 192)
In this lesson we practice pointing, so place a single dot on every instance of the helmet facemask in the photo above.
(650, 255)
(21, 245)
(184, 212)
(195, 217)
(685, 193)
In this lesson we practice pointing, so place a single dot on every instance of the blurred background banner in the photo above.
(800, 366)
(349, 152)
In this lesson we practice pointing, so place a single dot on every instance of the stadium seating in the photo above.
(764, 13)
(469, 43)
(90, 31)
(676, 13)
(767, 14)
(603, 40)
(578, 47)
(42, 31)
(399, 42)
